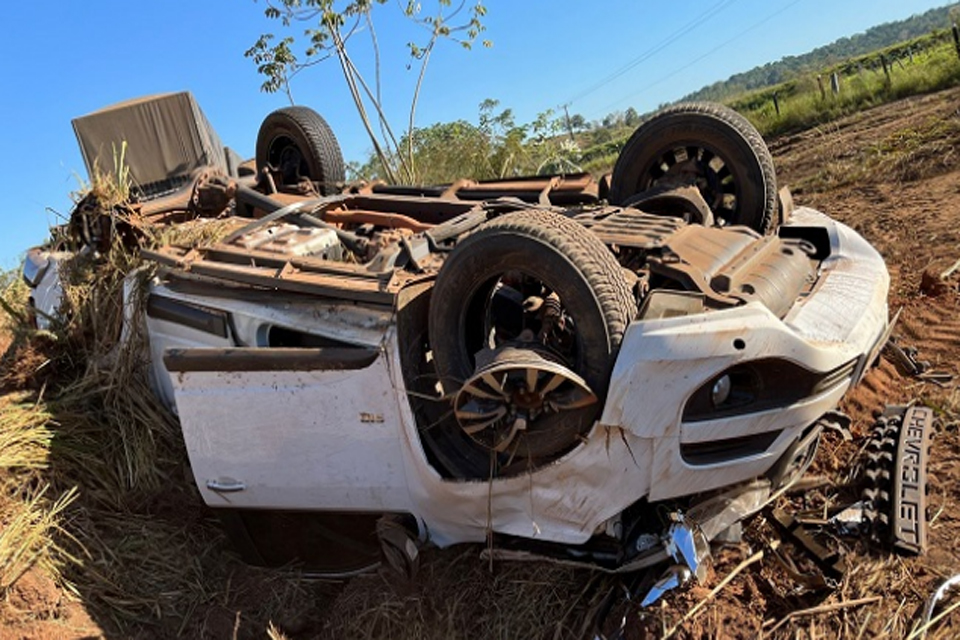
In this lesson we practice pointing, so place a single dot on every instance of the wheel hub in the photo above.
(515, 390)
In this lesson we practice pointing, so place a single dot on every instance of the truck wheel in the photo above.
(531, 282)
(711, 146)
(298, 142)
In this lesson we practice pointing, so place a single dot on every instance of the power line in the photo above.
(643, 57)
(756, 25)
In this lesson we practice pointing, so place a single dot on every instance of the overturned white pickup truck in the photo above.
(608, 375)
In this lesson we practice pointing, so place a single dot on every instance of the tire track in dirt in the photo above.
(933, 326)
(881, 386)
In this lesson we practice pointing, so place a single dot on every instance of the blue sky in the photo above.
(65, 58)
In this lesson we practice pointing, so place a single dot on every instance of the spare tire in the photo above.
(714, 145)
(298, 142)
(574, 268)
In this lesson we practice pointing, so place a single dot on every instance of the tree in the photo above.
(506, 152)
(630, 117)
(332, 24)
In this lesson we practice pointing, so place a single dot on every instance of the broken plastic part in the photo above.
(675, 576)
(723, 510)
(852, 520)
(686, 543)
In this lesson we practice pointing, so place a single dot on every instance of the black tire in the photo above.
(299, 143)
(740, 186)
(568, 260)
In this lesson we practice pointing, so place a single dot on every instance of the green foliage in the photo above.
(917, 66)
(317, 30)
(791, 67)
(921, 64)
(495, 147)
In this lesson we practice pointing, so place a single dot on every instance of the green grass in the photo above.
(802, 105)
(933, 65)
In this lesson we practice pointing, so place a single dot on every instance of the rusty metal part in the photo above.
(376, 218)
(905, 358)
(708, 250)
(284, 273)
(635, 228)
(212, 193)
(424, 210)
(551, 315)
(896, 475)
(735, 265)
(272, 205)
(267, 204)
(178, 201)
(455, 227)
(811, 580)
(450, 192)
(772, 271)
(207, 193)
(830, 562)
(684, 202)
(570, 189)
(579, 188)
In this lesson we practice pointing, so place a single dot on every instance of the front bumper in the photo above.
(662, 362)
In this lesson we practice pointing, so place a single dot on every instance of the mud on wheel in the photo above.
(710, 146)
(525, 322)
(299, 144)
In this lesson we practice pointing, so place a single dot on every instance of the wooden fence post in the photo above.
(776, 103)
(886, 67)
(823, 92)
(956, 38)
(835, 83)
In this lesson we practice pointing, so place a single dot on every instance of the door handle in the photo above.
(226, 485)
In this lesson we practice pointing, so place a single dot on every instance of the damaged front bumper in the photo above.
(790, 371)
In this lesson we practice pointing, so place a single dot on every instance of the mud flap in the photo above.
(896, 477)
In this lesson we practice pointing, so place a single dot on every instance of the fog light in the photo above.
(721, 390)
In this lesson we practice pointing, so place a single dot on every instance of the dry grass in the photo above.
(78, 419)
(456, 595)
(29, 526)
(25, 434)
(927, 148)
